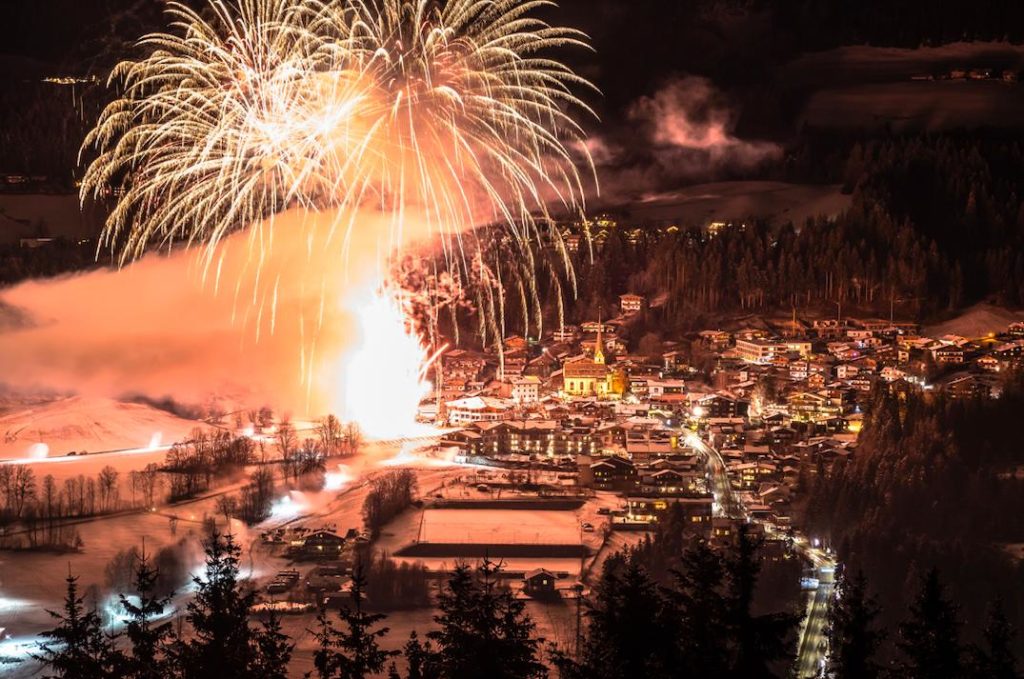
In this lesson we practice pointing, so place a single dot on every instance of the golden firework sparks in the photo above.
(453, 108)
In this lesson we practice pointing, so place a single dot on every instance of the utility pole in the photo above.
(579, 618)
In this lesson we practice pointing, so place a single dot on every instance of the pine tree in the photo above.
(929, 640)
(627, 633)
(353, 652)
(995, 659)
(484, 631)
(419, 659)
(148, 640)
(221, 644)
(702, 611)
(759, 640)
(77, 648)
(851, 633)
(273, 650)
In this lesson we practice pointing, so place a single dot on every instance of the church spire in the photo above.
(599, 343)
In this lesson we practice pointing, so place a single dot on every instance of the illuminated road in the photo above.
(813, 649)
(813, 644)
(727, 504)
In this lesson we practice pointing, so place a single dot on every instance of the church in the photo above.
(589, 377)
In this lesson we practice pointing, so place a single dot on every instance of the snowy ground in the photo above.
(866, 86)
(90, 424)
(498, 526)
(739, 200)
(977, 321)
(31, 582)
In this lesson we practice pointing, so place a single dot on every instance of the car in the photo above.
(604, 511)
(587, 527)
(807, 583)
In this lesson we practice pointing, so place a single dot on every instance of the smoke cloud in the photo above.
(268, 320)
(686, 132)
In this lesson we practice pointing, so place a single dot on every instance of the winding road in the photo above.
(813, 648)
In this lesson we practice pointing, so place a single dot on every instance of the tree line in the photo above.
(390, 494)
(40, 510)
(481, 631)
(702, 621)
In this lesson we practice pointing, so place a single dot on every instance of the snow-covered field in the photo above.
(737, 200)
(977, 321)
(500, 526)
(87, 424)
(945, 104)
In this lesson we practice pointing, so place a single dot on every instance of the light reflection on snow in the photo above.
(116, 617)
(17, 648)
(289, 506)
(420, 454)
(338, 479)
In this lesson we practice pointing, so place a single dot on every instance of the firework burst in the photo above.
(451, 108)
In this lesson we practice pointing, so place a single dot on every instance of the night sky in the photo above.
(674, 75)
(637, 43)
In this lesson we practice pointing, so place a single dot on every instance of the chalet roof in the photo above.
(614, 461)
(478, 403)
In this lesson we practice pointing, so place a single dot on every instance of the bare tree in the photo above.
(287, 441)
(330, 435)
(51, 498)
(257, 497)
(107, 481)
(227, 505)
(90, 495)
(353, 438)
(148, 480)
(24, 489)
(6, 489)
(266, 417)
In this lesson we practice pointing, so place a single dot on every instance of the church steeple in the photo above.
(599, 343)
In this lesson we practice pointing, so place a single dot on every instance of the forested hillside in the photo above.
(935, 482)
(937, 222)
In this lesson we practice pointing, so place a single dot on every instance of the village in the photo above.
(571, 447)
